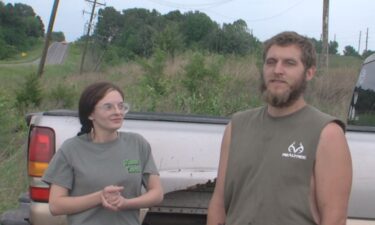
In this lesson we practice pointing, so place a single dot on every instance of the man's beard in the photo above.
(288, 97)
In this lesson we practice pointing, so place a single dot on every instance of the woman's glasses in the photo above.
(109, 107)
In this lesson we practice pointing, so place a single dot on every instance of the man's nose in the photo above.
(279, 68)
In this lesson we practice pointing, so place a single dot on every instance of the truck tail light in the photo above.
(40, 194)
(40, 152)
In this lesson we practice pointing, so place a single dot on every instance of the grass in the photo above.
(236, 89)
(26, 57)
(13, 174)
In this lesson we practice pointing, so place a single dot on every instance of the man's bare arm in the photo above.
(333, 176)
(216, 211)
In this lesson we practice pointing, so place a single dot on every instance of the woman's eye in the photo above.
(107, 106)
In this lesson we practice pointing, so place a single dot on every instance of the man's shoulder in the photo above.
(325, 117)
(249, 112)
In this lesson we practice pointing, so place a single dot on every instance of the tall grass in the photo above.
(332, 93)
(222, 86)
(13, 178)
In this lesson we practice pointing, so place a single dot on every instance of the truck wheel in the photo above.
(174, 219)
(14, 217)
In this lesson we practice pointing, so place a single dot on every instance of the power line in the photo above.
(94, 3)
(278, 14)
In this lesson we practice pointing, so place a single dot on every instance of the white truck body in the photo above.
(186, 150)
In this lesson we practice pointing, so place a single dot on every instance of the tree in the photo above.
(350, 51)
(318, 45)
(196, 27)
(237, 39)
(174, 16)
(58, 36)
(367, 53)
(20, 28)
(110, 22)
(170, 39)
(332, 47)
(138, 34)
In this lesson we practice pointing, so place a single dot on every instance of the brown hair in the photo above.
(287, 38)
(88, 100)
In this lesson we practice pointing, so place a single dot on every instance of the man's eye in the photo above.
(290, 62)
(270, 62)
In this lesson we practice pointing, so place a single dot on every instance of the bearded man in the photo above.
(285, 163)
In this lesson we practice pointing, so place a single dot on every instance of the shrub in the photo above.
(62, 96)
(153, 84)
(30, 93)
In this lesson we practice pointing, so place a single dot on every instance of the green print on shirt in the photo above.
(132, 165)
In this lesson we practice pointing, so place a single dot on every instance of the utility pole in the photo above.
(366, 44)
(324, 55)
(94, 3)
(47, 38)
(359, 42)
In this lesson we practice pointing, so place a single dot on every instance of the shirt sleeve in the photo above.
(59, 171)
(148, 163)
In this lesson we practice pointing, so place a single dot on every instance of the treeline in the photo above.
(20, 29)
(332, 49)
(140, 32)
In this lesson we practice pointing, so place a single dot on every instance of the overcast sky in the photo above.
(349, 20)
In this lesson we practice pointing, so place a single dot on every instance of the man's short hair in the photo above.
(287, 38)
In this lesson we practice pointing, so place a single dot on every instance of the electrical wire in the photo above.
(263, 18)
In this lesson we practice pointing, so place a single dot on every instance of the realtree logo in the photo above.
(295, 151)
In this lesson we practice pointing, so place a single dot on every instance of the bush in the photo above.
(29, 94)
(62, 96)
(153, 84)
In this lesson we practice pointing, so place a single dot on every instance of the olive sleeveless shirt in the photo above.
(270, 165)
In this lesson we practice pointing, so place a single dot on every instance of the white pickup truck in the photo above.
(186, 150)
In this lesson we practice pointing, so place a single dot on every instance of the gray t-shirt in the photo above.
(84, 167)
(270, 164)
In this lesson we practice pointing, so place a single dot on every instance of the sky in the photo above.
(351, 22)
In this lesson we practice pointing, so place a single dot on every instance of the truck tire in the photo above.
(19, 216)
(14, 217)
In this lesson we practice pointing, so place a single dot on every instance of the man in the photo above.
(285, 163)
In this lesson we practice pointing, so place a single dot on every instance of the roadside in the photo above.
(57, 53)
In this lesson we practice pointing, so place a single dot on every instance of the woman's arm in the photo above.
(60, 203)
(153, 196)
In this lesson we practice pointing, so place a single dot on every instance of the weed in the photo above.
(29, 94)
(62, 97)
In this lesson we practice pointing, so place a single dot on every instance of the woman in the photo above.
(96, 177)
